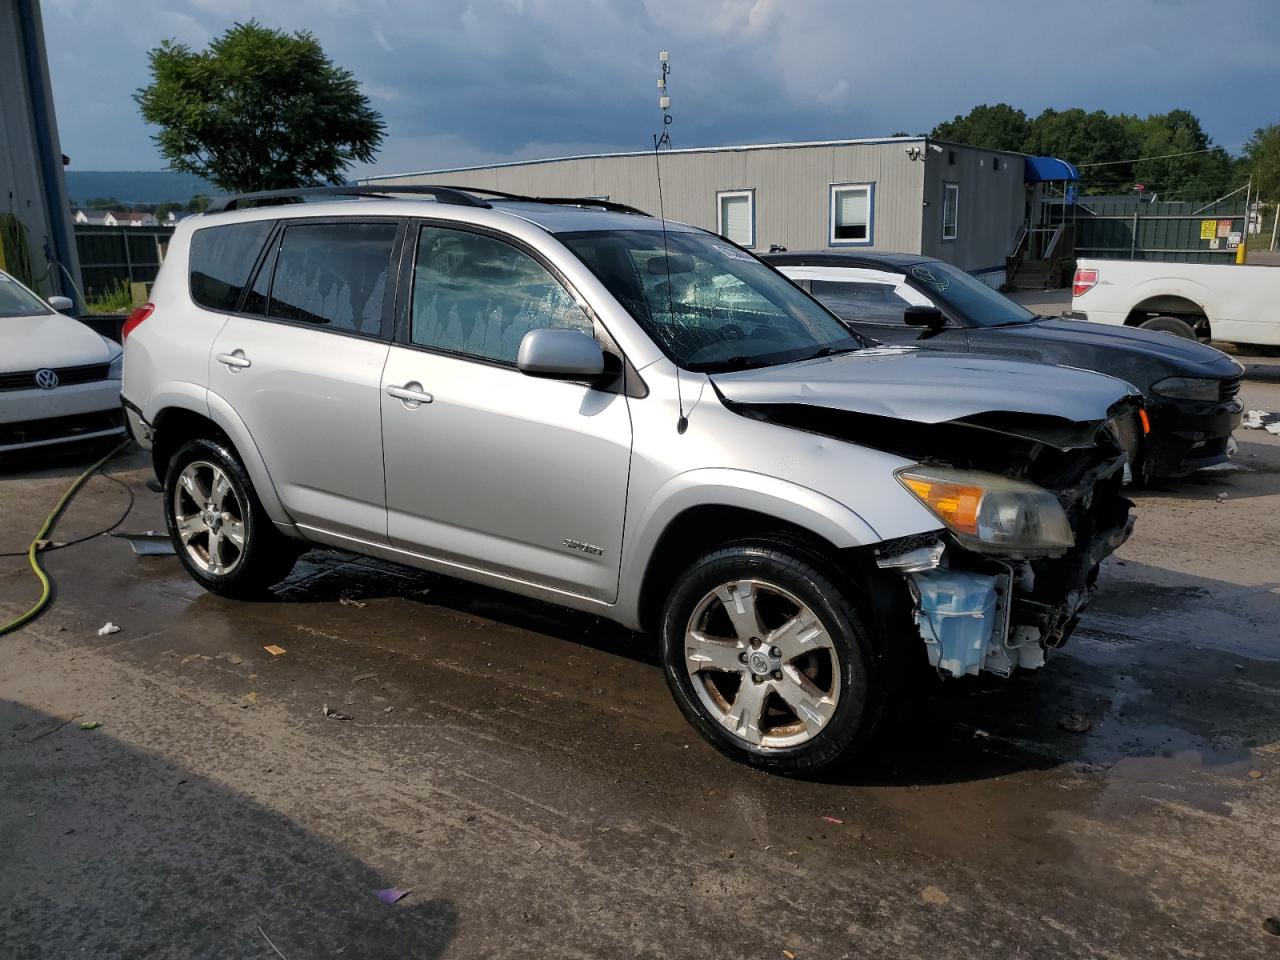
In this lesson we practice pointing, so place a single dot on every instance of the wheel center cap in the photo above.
(760, 663)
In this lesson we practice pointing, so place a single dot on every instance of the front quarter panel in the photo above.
(842, 492)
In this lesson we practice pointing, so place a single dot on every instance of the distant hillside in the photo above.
(136, 186)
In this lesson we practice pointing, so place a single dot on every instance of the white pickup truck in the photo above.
(1236, 304)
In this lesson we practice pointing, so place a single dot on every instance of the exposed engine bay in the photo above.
(979, 608)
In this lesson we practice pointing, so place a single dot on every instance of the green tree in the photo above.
(1261, 160)
(1183, 161)
(997, 127)
(260, 109)
(198, 204)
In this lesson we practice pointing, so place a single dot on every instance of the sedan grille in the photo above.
(61, 428)
(26, 379)
(1230, 388)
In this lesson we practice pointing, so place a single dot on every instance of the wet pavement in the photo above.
(523, 772)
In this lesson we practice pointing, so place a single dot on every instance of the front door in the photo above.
(488, 469)
(301, 364)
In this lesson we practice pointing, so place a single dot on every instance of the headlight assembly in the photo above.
(1188, 388)
(116, 370)
(992, 513)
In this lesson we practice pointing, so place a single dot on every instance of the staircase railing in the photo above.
(1014, 260)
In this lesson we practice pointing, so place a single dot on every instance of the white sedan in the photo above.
(59, 381)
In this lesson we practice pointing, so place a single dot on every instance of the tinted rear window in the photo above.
(220, 261)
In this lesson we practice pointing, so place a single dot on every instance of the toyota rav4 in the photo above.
(584, 404)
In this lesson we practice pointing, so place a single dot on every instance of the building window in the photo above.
(950, 206)
(851, 213)
(737, 216)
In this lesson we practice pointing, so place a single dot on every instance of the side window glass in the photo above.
(871, 298)
(479, 296)
(333, 275)
(220, 260)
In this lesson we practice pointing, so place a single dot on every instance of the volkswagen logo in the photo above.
(46, 379)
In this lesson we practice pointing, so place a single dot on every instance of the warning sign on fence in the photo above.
(1224, 228)
(1208, 229)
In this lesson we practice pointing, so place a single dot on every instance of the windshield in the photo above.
(17, 302)
(970, 298)
(708, 304)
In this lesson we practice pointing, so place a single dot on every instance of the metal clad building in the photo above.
(32, 186)
(906, 194)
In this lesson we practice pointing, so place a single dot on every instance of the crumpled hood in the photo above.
(54, 340)
(928, 387)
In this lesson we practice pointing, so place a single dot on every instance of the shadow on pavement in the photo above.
(112, 852)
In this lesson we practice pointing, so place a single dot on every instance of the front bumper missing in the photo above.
(978, 614)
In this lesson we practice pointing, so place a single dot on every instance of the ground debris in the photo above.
(352, 602)
(273, 946)
(932, 895)
(830, 819)
(364, 676)
(1076, 722)
(274, 650)
(1272, 926)
(108, 628)
(391, 895)
(1258, 419)
(331, 714)
(90, 725)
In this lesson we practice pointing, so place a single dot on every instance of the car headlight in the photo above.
(116, 370)
(1188, 388)
(989, 512)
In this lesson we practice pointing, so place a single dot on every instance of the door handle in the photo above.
(411, 393)
(236, 360)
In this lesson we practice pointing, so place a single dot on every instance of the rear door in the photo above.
(301, 363)
(874, 302)
(488, 469)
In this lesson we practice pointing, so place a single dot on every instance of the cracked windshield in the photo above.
(708, 304)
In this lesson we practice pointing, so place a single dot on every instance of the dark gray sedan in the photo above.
(1190, 388)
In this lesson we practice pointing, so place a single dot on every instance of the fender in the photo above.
(726, 487)
(222, 413)
(1172, 287)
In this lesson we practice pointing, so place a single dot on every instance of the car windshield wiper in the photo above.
(829, 351)
(726, 364)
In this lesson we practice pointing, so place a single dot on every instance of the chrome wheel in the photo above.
(762, 663)
(209, 517)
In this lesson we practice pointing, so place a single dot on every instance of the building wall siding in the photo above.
(22, 158)
(791, 183)
(991, 206)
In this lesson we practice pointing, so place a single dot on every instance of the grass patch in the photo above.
(119, 299)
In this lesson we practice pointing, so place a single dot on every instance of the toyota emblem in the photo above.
(46, 379)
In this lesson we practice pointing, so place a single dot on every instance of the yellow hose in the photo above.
(49, 522)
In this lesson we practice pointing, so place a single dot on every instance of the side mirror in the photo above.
(930, 317)
(559, 354)
(61, 304)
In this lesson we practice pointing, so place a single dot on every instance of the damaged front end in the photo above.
(992, 600)
(1031, 503)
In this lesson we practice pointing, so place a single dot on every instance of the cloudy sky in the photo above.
(476, 81)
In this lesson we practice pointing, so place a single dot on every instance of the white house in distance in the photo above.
(108, 218)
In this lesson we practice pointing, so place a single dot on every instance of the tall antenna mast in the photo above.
(664, 140)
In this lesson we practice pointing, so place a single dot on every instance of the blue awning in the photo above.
(1040, 169)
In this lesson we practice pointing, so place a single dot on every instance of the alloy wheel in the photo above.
(762, 663)
(209, 517)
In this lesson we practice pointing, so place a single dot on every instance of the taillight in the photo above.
(136, 317)
(1084, 281)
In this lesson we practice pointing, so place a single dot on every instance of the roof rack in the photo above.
(299, 194)
(462, 196)
(610, 205)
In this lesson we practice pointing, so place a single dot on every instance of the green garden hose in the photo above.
(46, 587)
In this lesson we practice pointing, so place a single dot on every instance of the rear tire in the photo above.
(1179, 328)
(767, 655)
(217, 524)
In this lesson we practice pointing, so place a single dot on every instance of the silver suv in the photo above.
(575, 401)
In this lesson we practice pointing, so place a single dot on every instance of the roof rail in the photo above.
(453, 195)
(610, 205)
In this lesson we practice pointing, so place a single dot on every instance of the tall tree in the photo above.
(995, 127)
(260, 109)
(1262, 161)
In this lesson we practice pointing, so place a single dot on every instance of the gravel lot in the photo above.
(524, 774)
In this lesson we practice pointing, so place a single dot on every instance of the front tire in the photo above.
(1179, 328)
(767, 655)
(218, 527)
